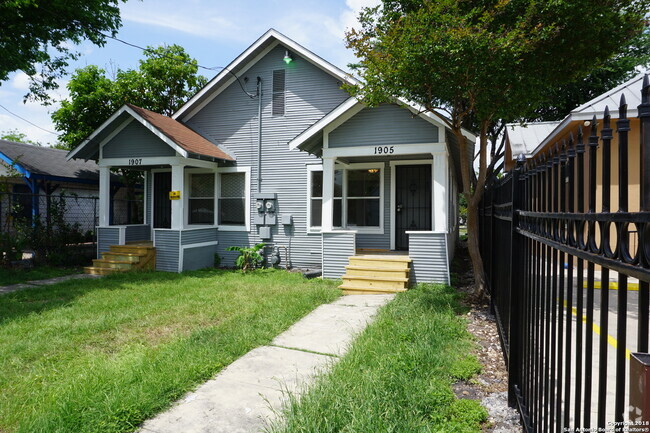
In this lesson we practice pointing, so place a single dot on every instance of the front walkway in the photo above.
(249, 393)
(39, 283)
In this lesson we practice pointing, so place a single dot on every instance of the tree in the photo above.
(37, 35)
(480, 61)
(165, 79)
(17, 137)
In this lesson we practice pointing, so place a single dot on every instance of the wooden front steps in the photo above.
(122, 258)
(376, 274)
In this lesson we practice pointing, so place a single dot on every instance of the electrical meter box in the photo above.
(265, 204)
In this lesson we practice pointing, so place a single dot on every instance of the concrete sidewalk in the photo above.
(47, 282)
(248, 394)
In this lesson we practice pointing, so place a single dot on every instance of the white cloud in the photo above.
(20, 81)
(197, 21)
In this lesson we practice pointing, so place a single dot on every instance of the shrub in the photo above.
(249, 257)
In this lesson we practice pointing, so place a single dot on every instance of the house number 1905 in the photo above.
(384, 149)
(135, 161)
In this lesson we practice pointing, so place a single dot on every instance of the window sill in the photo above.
(224, 228)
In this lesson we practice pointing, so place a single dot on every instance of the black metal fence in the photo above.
(568, 276)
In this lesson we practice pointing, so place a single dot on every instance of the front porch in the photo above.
(427, 260)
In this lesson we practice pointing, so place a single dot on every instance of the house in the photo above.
(32, 175)
(538, 138)
(273, 150)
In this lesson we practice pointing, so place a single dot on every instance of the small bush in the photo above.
(249, 257)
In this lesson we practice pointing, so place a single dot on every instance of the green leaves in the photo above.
(249, 258)
(165, 79)
(36, 35)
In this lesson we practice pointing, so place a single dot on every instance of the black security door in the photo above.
(162, 206)
(412, 201)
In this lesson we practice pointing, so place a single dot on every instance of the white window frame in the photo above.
(344, 199)
(310, 169)
(246, 227)
(186, 197)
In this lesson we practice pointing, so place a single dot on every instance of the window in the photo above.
(278, 97)
(232, 199)
(357, 194)
(363, 197)
(316, 198)
(201, 199)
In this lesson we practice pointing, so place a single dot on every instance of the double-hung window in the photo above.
(232, 199)
(201, 199)
(357, 200)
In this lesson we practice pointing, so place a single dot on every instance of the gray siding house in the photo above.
(273, 150)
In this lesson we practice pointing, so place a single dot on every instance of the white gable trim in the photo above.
(217, 84)
(136, 116)
(351, 107)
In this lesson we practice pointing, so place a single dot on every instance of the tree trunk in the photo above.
(474, 249)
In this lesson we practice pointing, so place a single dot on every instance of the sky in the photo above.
(213, 32)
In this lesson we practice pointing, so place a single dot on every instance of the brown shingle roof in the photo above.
(182, 135)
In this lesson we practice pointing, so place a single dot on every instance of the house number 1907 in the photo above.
(135, 161)
(384, 149)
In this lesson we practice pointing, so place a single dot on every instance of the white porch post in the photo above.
(327, 220)
(440, 192)
(104, 196)
(178, 181)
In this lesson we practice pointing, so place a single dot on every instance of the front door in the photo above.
(162, 206)
(412, 201)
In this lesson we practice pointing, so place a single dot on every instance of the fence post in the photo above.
(516, 282)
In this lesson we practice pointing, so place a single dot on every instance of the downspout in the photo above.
(259, 134)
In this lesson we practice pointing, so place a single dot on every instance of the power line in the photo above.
(31, 123)
(215, 68)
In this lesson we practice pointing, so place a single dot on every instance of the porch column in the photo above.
(327, 221)
(104, 196)
(440, 191)
(178, 181)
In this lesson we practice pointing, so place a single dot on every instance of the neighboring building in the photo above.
(319, 173)
(537, 138)
(32, 173)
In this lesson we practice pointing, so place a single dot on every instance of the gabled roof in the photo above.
(178, 136)
(36, 162)
(266, 42)
(308, 138)
(524, 139)
(596, 107)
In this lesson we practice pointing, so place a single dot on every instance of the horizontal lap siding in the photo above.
(137, 233)
(231, 121)
(428, 253)
(107, 236)
(383, 125)
(167, 250)
(337, 250)
(136, 141)
(199, 236)
(198, 257)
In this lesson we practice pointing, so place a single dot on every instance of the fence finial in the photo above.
(606, 132)
(622, 108)
(521, 160)
(645, 90)
(593, 138)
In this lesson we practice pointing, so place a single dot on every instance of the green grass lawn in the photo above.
(397, 376)
(103, 355)
(15, 276)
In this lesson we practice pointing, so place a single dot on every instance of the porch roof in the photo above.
(181, 138)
